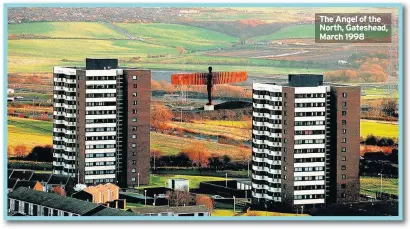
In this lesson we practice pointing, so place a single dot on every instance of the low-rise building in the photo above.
(180, 184)
(197, 210)
(28, 202)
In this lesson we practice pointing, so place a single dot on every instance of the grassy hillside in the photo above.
(294, 31)
(370, 185)
(65, 30)
(29, 132)
(41, 55)
(379, 129)
(174, 35)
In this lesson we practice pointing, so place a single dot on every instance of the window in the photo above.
(343, 122)
(343, 131)
(134, 94)
(343, 195)
(344, 94)
(285, 113)
(284, 177)
(134, 154)
(285, 104)
(134, 136)
(133, 162)
(285, 168)
(343, 176)
(285, 122)
(134, 119)
(134, 128)
(343, 149)
(343, 158)
(285, 131)
(344, 104)
(133, 170)
(343, 113)
(133, 145)
(284, 158)
(285, 140)
(135, 86)
(134, 77)
(343, 167)
(343, 140)
(134, 111)
(134, 102)
(133, 179)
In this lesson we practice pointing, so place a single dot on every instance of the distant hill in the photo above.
(289, 32)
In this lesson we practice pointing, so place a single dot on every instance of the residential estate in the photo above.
(99, 111)
(306, 143)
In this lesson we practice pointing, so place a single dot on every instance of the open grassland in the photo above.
(41, 55)
(29, 132)
(172, 145)
(189, 37)
(237, 130)
(379, 129)
(294, 31)
(369, 185)
(162, 180)
(65, 30)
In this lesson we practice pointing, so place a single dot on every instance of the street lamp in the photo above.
(233, 203)
(138, 180)
(145, 196)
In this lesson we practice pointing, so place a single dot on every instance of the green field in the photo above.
(28, 132)
(172, 145)
(369, 185)
(42, 55)
(217, 128)
(379, 129)
(189, 37)
(65, 30)
(162, 180)
(294, 31)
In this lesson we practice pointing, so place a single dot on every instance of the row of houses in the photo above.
(25, 201)
(39, 181)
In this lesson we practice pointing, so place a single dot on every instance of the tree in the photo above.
(9, 150)
(226, 159)
(20, 151)
(160, 116)
(198, 153)
(390, 107)
(180, 198)
(205, 200)
(215, 162)
(41, 153)
(371, 140)
(155, 155)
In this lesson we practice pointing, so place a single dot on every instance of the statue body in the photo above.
(208, 79)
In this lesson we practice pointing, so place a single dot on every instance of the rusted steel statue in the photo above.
(208, 79)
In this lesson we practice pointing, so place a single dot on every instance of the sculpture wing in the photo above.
(200, 78)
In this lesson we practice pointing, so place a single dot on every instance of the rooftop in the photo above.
(52, 200)
(159, 209)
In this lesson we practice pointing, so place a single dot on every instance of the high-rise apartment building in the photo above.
(101, 123)
(306, 143)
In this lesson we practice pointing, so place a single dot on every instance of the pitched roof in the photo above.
(11, 182)
(58, 179)
(159, 209)
(53, 200)
(25, 183)
(21, 174)
(41, 177)
(113, 212)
